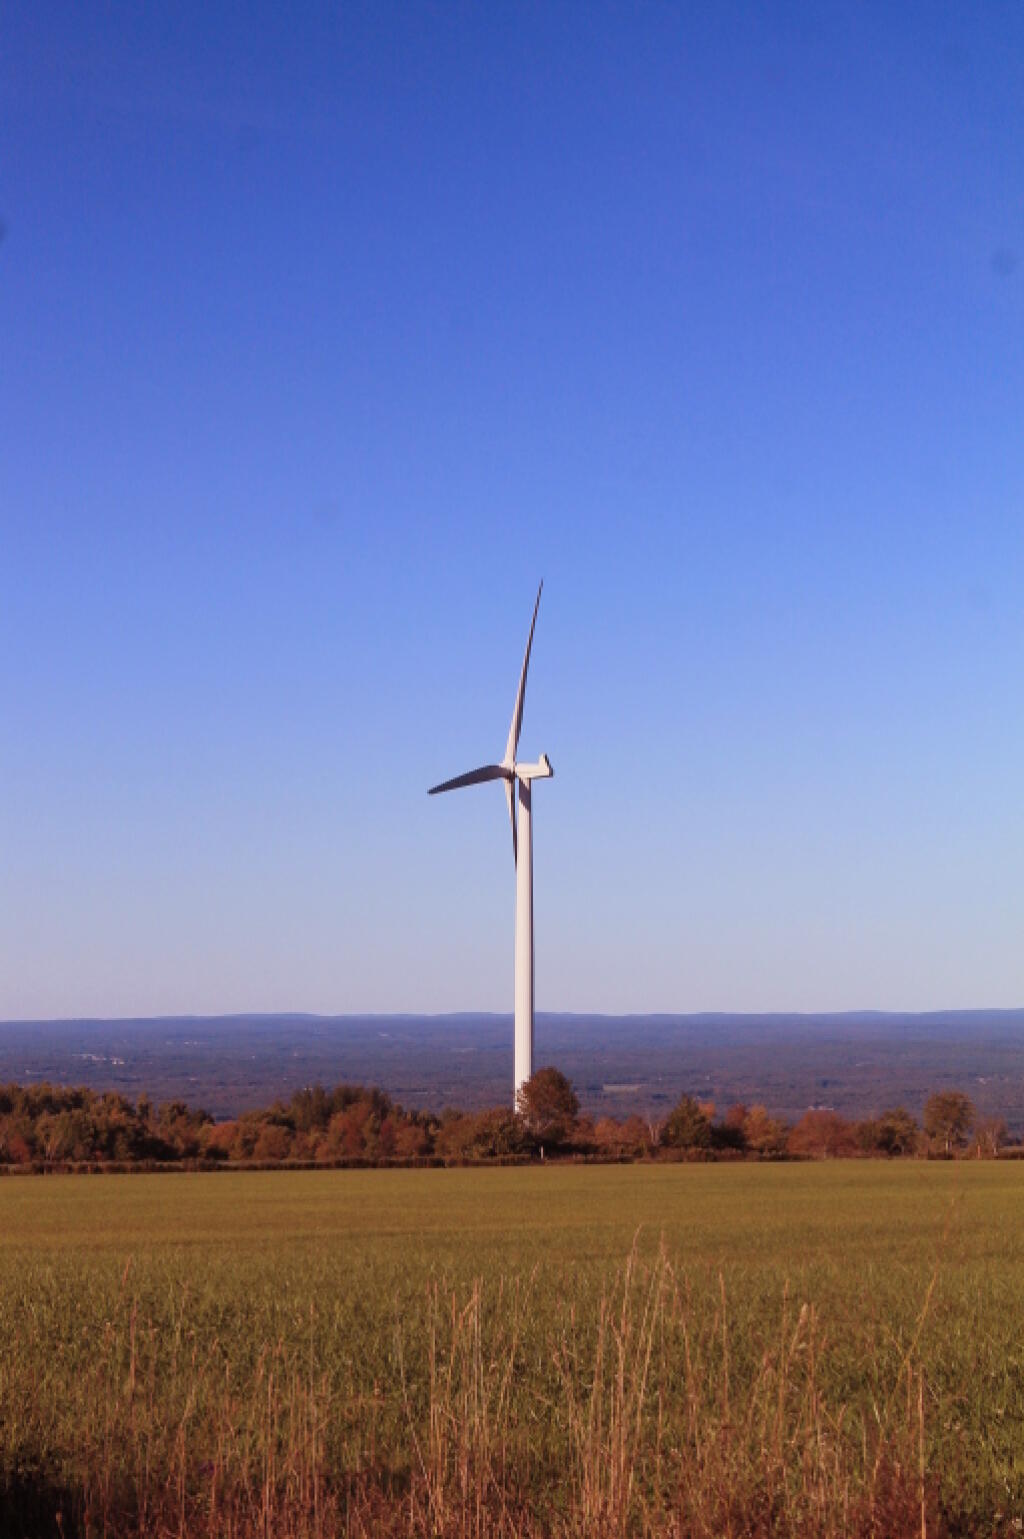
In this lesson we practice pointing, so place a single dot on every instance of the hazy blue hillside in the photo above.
(857, 1063)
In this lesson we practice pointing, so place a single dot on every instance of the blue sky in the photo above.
(327, 330)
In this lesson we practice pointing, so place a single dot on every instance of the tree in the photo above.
(17, 1139)
(989, 1136)
(765, 1135)
(548, 1106)
(273, 1144)
(730, 1133)
(821, 1134)
(310, 1109)
(68, 1135)
(687, 1126)
(412, 1140)
(948, 1116)
(456, 1134)
(897, 1131)
(180, 1127)
(497, 1133)
(630, 1137)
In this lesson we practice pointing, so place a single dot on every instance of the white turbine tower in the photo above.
(514, 774)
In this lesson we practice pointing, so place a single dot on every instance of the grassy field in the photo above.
(686, 1350)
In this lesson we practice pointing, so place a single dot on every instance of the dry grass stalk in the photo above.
(651, 1421)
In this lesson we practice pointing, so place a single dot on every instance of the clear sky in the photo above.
(326, 331)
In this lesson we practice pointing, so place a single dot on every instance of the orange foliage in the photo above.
(822, 1134)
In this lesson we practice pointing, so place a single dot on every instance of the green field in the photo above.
(792, 1349)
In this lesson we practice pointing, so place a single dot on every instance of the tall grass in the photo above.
(651, 1414)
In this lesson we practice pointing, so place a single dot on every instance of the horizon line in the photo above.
(506, 1015)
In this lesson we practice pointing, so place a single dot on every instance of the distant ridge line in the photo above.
(987, 1012)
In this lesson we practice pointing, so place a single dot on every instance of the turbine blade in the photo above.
(517, 713)
(510, 797)
(472, 778)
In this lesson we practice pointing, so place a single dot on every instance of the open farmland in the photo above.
(741, 1349)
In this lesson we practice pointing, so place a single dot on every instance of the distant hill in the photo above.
(857, 1063)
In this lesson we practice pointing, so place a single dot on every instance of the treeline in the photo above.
(45, 1125)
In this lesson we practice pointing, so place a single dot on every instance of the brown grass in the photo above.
(650, 1430)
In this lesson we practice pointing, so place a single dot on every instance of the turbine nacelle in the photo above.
(540, 771)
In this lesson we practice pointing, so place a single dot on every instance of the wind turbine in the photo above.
(514, 774)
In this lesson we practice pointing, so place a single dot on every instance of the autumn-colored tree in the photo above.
(310, 1109)
(623, 1138)
(822, 1135)
(218, 1140)
(608, 1135)
(19, 1150)
(411, 1140)
(17, 1139)
(990, 1135)
(179, 1126)
(948, 1116)
(765, 1135)
(349, 1128)
(548, 1106)
(303, 1146)
(273, 1143)
(687, 1126)
(455, 1135)
(637, 1136)
(65, 1135)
